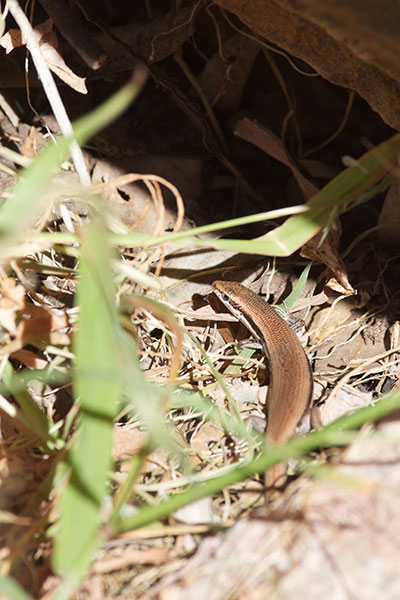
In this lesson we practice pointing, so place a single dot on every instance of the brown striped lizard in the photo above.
(291, 384)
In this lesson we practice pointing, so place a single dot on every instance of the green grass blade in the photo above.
(20, 380)
(182, 399)
(354, 185)
(12, 590)
(34, 419)
(98, 387)
(337, 433)
(297, 290)
(336, 195)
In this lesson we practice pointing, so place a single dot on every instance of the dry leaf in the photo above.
(345, 401)
(29, 147)
(327, 253)
(40, 324)
(266, 140)
(29, 359)
(55, 62)
(47, 40)
(12, 39)
(12, 301)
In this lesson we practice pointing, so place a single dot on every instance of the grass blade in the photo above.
(98, 387)
(12, 590)
(331, 435)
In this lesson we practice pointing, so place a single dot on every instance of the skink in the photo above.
(291, 384)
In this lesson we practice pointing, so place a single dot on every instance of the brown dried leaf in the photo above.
(55, 62)
(327, 253)
(29, 147)
(29, 359)
(10, 303)
(154, 41)
(12, 39)
(13, 294)
(41, 325)
(266, 140)
(48, 45)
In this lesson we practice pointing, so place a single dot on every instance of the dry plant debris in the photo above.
(204, 157)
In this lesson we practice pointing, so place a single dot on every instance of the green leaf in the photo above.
(32, 417)
(297, 290)
(98, 388)
(12, 590)
(338, 193)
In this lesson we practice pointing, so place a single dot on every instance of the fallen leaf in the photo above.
(11, 302)
(29, 359)
(47, 40)
(266, 140)
(327, 252)
(31, 142)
